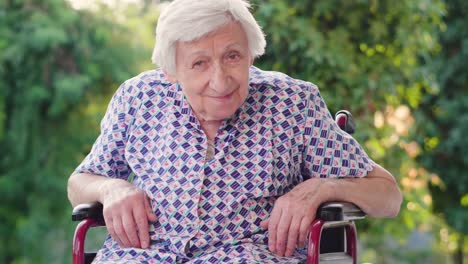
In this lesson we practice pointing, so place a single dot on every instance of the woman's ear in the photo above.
(171, 78)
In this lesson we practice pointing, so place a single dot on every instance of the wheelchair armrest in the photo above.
(340, 211)
(89, 215)
(88, 211)
(333, 236)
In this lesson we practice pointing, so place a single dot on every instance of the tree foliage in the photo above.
(359, 52)
(58, 67)
(366, 56)
(443, 121)
(55, 64)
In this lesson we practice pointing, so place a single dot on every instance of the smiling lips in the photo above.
(223, 97)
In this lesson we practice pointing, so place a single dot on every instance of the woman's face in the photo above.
(214, 72)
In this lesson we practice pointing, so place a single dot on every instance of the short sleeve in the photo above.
(328, 150)
(107, 156)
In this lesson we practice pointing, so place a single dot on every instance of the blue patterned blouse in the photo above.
(210, 210)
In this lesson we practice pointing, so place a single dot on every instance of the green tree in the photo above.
(365, 57)
(57, 69)
(443, 121)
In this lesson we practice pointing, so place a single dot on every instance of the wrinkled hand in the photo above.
(292, 215)
(127, 211)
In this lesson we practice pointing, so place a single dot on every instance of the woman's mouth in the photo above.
(223, 97)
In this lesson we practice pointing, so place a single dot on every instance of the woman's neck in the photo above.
(210, 128)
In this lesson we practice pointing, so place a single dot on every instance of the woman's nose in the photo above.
(219, 79)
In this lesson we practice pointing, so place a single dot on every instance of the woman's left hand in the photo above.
(292, 215)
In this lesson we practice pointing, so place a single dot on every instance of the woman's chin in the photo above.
(219, 115)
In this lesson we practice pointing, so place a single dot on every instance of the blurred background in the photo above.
(399, 66)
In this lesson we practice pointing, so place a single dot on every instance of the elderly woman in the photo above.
(209, 159)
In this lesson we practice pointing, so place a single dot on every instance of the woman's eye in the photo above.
(234, 56)
(198, 64)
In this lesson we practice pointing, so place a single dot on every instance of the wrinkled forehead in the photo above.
(228, 27)
(230, 35)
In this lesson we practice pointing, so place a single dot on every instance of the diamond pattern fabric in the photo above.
(210, 210)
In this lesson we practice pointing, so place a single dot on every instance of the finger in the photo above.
(293, 234)
(140, 216)
(119, 228)
(111, 230)
(272, 228)
(119, 233)
(130, 230)
(149, 210)
(282, 233)
(304, 231)
(264, 223)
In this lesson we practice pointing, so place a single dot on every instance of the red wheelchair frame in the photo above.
(332, 237)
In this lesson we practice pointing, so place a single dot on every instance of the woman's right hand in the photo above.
(127, 211)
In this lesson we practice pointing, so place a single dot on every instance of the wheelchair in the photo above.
(332, 238)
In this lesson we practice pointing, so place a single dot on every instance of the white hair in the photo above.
(189, 20)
